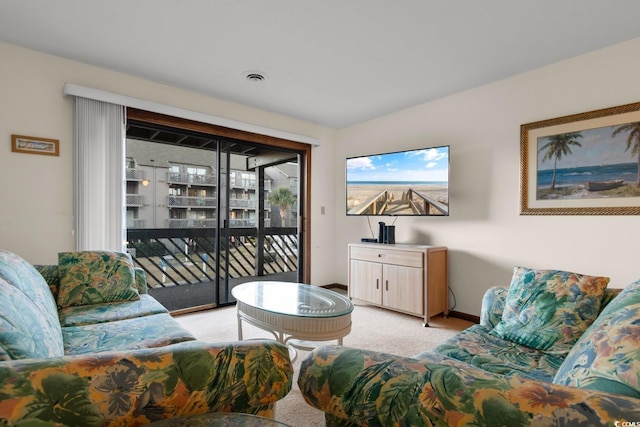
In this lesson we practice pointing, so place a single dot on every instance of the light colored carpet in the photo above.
(372, 328)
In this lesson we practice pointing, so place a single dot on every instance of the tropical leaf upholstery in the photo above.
(365, 388)
(24, 331)
(477, 378)
(29, 325)
(550, 308)
(493, 306)
(133, 388)
(94, 277)
(117, 362)
(478, 347)
(607, 356)
(51, 274)
(109, 312)
(154, 330)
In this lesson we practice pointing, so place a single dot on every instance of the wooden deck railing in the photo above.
(181, 256)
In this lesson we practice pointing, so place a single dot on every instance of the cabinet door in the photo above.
(403, 289)
(365, 281)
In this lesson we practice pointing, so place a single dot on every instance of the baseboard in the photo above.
(456, 314)
(465, 316)
(335, 286)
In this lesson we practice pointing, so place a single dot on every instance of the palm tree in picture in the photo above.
(284, 198)
(558, 146)
(633, 141)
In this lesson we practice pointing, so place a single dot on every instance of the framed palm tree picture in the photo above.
(583, 164)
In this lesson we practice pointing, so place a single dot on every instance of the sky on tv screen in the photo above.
(426, 165)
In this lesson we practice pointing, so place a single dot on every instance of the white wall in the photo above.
(485, 234)
(37, 201)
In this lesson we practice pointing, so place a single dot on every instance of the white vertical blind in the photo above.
(99, 179)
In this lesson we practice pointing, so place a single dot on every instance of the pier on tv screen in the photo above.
(402, 183)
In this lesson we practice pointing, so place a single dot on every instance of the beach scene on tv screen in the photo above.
(414, 182)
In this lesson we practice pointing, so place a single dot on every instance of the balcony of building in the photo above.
(191, 223)
(134, 174)
(191, 202)
(247, 204)
(247, 222)
(247, 183)
(191, 179)
(135, 223)
(134, 200)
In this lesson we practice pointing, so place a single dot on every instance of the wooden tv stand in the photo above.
(411, 279)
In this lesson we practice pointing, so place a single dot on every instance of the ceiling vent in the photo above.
(254, 76)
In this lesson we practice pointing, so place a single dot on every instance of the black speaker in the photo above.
(382, 231)
(390, 234)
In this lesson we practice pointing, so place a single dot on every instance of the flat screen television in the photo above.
(401, 183)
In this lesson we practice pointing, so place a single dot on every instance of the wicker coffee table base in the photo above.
(289, 329)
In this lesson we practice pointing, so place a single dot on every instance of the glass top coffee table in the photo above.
(293, 312)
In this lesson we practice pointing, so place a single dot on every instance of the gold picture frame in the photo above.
(582, 164)
(35, 145)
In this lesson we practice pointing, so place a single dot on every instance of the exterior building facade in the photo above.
(176, 187)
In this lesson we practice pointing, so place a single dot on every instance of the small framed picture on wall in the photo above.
(35, 145)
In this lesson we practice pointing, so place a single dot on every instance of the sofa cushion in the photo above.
(155, 330)
(550, 309)
(52, 277)
(476, 346)
(79, 315)
(607, 356)
(95, 277)
(140, 280)
(26, 331)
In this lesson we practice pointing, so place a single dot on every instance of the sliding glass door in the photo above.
(205, 213)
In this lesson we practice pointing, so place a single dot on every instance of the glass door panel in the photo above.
(206, 217)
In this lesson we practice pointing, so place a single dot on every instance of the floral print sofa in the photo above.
(554, 349)
(82, 343)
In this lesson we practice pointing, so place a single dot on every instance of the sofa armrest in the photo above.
(493, 306)
(357, 387)
(139, 386)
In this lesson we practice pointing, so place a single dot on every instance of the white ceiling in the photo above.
(331, 62)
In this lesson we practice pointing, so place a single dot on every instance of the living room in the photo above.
(485, 234)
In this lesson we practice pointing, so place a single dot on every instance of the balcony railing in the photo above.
(134, 200)
(190, 202)
(182, 256)
(247, 222)
(135, 223)
(134, 174)
(247, 183)
(190, 178)
(173, 258)
(242, 203)
(191, 223)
